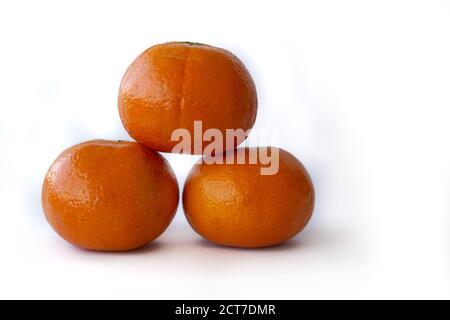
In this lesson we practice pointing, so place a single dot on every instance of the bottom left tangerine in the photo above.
(109, 195)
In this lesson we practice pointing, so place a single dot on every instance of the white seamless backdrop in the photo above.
(357, 90)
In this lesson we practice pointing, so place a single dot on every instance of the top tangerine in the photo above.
(171, 85)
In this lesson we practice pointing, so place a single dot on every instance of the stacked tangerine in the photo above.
(118, 195)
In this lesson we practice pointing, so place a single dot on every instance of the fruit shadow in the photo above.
(316, 238)
(286, 246)
(147, 249)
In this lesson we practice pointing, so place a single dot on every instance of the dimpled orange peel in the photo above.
(171, 85)
(234, 205)
(109, 195)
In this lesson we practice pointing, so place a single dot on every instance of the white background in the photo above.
(359, 91)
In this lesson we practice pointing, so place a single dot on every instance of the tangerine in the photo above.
(171, 85)
(233, 204)
(109, 195)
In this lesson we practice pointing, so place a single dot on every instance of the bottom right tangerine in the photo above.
(234, 204)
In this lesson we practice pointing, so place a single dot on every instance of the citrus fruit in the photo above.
(109, 195)
(171, 85)
(233, 204)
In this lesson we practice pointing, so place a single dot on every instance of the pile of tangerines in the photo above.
(117, 195)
